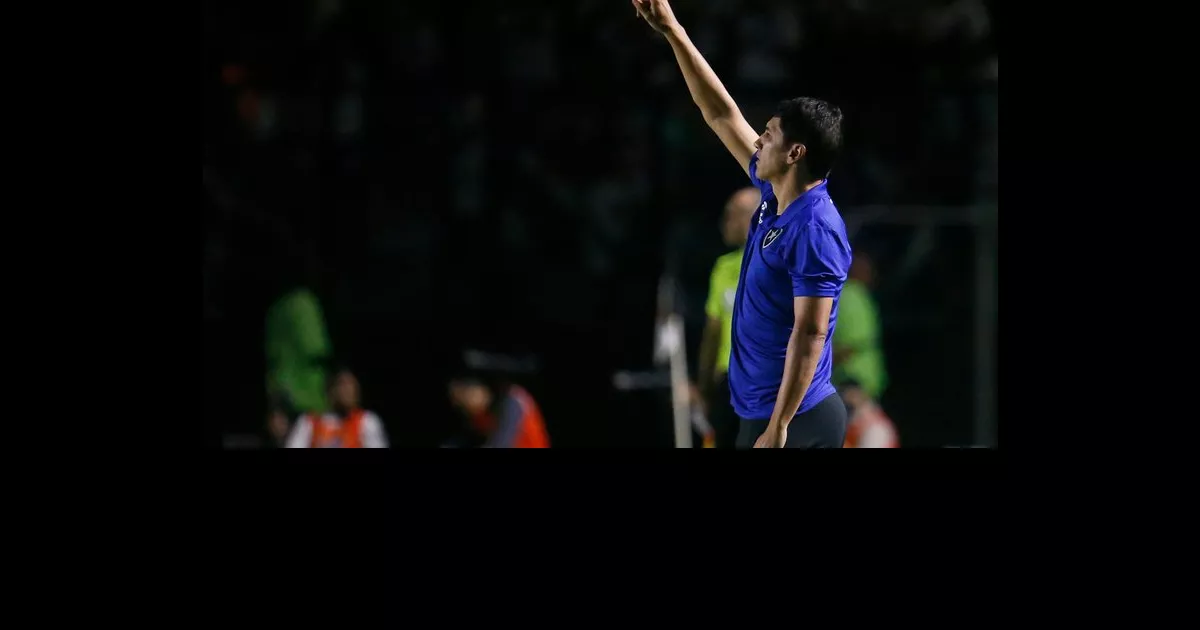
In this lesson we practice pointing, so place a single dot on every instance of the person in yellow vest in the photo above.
(711, 390)
(345, 425)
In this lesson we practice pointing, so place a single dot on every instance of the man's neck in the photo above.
(789, 189)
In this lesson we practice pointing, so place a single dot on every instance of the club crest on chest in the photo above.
(771, 235)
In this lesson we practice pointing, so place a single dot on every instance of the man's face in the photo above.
(775, 155)
(469, 396)
(344, 392)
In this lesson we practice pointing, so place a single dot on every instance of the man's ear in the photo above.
(796, 153)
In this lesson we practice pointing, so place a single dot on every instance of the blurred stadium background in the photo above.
(533, 179)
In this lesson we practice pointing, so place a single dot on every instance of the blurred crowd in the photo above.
(537, 163)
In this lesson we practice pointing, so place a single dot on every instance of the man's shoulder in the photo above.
(824, 223)
(824, 213)
(821, 226)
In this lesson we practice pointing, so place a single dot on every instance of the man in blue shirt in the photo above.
(796, 260)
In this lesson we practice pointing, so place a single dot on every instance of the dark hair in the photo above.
(817, 125)
(489, 370)
(495, 383)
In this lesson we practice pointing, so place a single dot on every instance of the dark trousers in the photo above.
(724, 420)
(823, 426)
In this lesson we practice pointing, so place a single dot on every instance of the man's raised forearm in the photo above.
(707, 91)
(799, 367)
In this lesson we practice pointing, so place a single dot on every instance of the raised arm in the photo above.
(718, 108)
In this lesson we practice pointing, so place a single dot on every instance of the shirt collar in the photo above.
(807, 199)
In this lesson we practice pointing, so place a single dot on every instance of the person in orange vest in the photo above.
(502, 414)
(869, 426)
(345, 425)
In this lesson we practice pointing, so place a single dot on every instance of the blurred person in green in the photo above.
(857, 347)
(298, 349)
(711, 392)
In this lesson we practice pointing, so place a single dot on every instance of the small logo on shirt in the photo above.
(772, 234)
(761, 210)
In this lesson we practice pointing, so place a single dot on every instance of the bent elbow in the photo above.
(813, 336)
(714, 116)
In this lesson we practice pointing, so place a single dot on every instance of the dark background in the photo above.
(519, 176)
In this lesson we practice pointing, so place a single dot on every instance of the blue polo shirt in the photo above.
(802, 252)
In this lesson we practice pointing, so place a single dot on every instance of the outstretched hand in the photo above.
(657, 13)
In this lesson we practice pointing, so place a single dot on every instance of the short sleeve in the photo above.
(762, 186)
(820, 262)
(372, 433)
(713, 306)
(301, 435)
